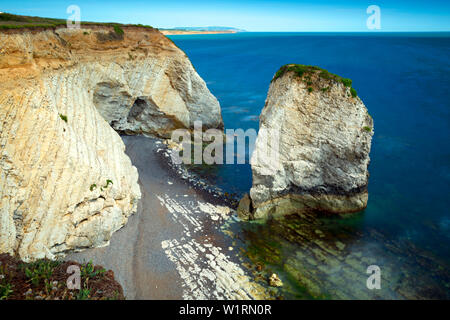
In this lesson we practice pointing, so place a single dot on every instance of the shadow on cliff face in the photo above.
(131, 115)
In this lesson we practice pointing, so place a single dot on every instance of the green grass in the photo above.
(142, 26)
(40, 271)
(12, 21)
(83, 294)
(6, 287)
(299, 69)
(46, 279)
(306, 71)
(30, 26)
(5, 291)
(118, 30)
(368, 129)
(88, 271)
(346, 82)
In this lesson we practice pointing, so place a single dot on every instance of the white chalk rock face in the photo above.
(65, 181)
(312, 151)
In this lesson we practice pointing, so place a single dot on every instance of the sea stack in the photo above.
(66, 183)
(321, 133)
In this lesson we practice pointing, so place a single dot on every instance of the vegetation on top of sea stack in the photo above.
(307, 71)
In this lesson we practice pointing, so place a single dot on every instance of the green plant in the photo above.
(118, 30)
(310, 89)
(63, 117)
(92, 187)
(6, 286)
(48, 285)
(83, 294)
(12, 17)
(40, 270)
(368, 129)
(346, 82)
(85, 33)
(11, 21)
(5, 291)
(306, 71)
(325, 89)
(116, 295)
(107, 184)
(88, 271)
(299, 69)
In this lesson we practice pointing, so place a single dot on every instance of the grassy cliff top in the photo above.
(306, 71)
(11, 21)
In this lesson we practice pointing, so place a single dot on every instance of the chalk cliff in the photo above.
(312, 152)
(65, 181)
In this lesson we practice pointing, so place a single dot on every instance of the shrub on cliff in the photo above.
(346, 82)
(47, 280)
(118, 30)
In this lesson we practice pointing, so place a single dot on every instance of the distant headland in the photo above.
(199, 30)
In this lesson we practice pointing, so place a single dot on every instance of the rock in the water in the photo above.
(275, 281)
(244, 208)
(65, 181)
(321, 133)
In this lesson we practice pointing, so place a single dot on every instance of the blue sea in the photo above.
(403, 79)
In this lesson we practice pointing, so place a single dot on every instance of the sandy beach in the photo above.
(172, 248)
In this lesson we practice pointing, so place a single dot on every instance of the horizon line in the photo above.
(366, 32)
(243, 30)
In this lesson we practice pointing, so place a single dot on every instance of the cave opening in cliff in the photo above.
(138, 107)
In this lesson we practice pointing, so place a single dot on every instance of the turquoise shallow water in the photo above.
(404, 81)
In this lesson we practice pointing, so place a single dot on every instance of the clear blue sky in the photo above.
(262, 15)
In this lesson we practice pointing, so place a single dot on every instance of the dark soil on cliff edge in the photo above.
(47, 280)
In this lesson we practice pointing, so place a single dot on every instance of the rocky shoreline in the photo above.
(177, 239)
(210, 192)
